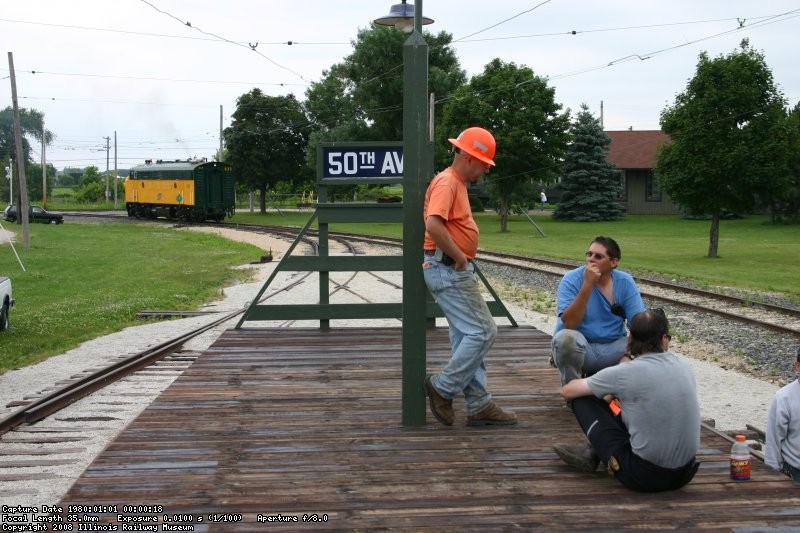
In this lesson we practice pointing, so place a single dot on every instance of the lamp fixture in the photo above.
(401, 16)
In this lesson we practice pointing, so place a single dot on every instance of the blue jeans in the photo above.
(575, 356)
(472, 333)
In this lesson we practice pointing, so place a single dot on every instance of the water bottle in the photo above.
(740, 459)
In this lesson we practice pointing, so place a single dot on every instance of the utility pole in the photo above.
(22, 189)
(108, 148)
(44, 169)
(220, 134)
(115, 170)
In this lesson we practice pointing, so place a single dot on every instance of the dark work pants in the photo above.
(610, 438)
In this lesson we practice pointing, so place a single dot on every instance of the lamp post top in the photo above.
(401, 16)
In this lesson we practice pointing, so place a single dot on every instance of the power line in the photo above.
(166, 36)
(503, 21)
(250, 45)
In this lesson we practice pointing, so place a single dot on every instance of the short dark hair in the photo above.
(798, 354)
(647, 330)
(611, 246)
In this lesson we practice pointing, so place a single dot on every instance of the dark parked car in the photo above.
(35, 214)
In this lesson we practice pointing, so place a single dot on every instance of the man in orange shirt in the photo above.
(451, 243)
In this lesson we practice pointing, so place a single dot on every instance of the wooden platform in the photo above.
(302, 422)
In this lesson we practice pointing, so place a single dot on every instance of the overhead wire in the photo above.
(742, 25)
(249, 45)
(163, 35)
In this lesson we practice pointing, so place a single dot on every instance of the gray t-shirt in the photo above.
(658, 395)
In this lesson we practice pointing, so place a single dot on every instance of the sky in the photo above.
(162, 76)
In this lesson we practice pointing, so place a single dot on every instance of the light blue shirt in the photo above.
(599, 324)
(783, 427)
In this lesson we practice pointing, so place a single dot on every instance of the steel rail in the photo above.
(72, 392)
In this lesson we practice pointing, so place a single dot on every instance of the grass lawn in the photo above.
(87, 280)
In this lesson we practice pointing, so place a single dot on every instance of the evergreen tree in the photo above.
(590, 185)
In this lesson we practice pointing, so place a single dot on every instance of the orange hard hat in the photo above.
(477, 142)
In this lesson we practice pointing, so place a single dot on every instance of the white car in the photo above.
(6, 301)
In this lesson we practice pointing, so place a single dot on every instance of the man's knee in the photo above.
(567, 345)
(569, 350)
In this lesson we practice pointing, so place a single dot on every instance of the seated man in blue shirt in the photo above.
(593, 302)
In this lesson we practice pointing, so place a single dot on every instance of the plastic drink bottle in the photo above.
(740, 459)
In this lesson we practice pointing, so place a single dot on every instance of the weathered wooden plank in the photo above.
(296, 421)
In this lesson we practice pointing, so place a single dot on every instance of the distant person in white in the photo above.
(783, 429)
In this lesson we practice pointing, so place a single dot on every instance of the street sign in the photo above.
(356, 162)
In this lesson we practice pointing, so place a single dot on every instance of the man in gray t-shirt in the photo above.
(651, 444)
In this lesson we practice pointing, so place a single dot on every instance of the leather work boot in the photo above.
(441, 407)
(492, 415)
(581, 456)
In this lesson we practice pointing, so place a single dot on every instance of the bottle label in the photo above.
(740, 469)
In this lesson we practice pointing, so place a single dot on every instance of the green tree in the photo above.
(267, 141)
(730, 139)
(92, 188)
(91, 174)
(33, 176)
(520, 110)
(91, 192)
(590, 185)
(361, 98)
(31, 122)
(363, 95)
(784, 203)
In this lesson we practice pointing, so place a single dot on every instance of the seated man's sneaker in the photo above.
(580, 456)
(492, 416)
(441, 407)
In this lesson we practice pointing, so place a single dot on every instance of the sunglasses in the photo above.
(596, 255)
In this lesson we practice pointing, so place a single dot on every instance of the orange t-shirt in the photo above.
(447, 197)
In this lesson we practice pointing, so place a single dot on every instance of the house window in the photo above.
(623, 186)
(651, 191)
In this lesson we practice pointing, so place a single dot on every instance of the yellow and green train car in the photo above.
(192, 191)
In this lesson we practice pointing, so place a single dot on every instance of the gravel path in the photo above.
(729, 397)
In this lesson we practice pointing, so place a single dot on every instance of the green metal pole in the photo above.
(415, 121)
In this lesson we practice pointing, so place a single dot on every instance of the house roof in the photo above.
(635, 149)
